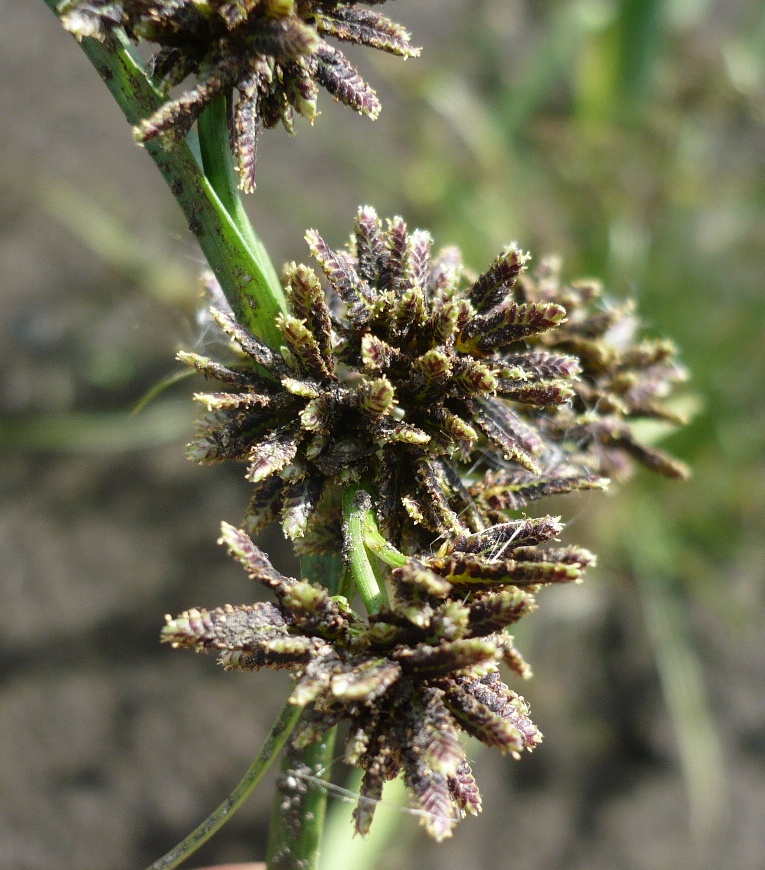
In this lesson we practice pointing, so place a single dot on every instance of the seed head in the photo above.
(407, 680)
(273, 53)
(403, 370)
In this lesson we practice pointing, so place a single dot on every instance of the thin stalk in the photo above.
(300, 807)
(372, 591)
(242, 267)
(300, 804)
(215, 152)
(219, 168)
(274, 744)
(378, 544)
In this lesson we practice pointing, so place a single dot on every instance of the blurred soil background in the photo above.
(628, 137)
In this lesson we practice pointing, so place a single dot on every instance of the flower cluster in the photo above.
(274, 53)
(411, 413)
(407, 678)
(456, 401)
(409, 374)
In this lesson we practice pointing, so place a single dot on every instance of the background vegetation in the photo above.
(627, 136)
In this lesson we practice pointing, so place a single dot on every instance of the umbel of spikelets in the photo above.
(458, 398)
(408, 678)
(273, 53)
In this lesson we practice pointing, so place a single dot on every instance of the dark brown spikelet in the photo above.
(273, 54)
(624, 379)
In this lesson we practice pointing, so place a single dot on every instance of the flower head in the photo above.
(456, 401)
(274, 53)
(412, 375)
(408, 678)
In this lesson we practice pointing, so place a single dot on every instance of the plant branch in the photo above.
(219, 169)
(299, 811)
(275, 742)
(356, 504)
(378, 544)
(300, 807)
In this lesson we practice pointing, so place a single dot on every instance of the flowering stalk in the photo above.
(356, 507)
(274, 744)
(294, 839)
(219, 170)
(394, 412)
(300, 806)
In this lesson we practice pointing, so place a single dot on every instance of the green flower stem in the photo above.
(295, 836)
(274, 744)
(219, 169)
(239, 261)
(356, 504)
(379, 545)
(300, 807)
(212, 127)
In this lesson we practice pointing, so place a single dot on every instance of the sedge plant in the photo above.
(396, 412)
